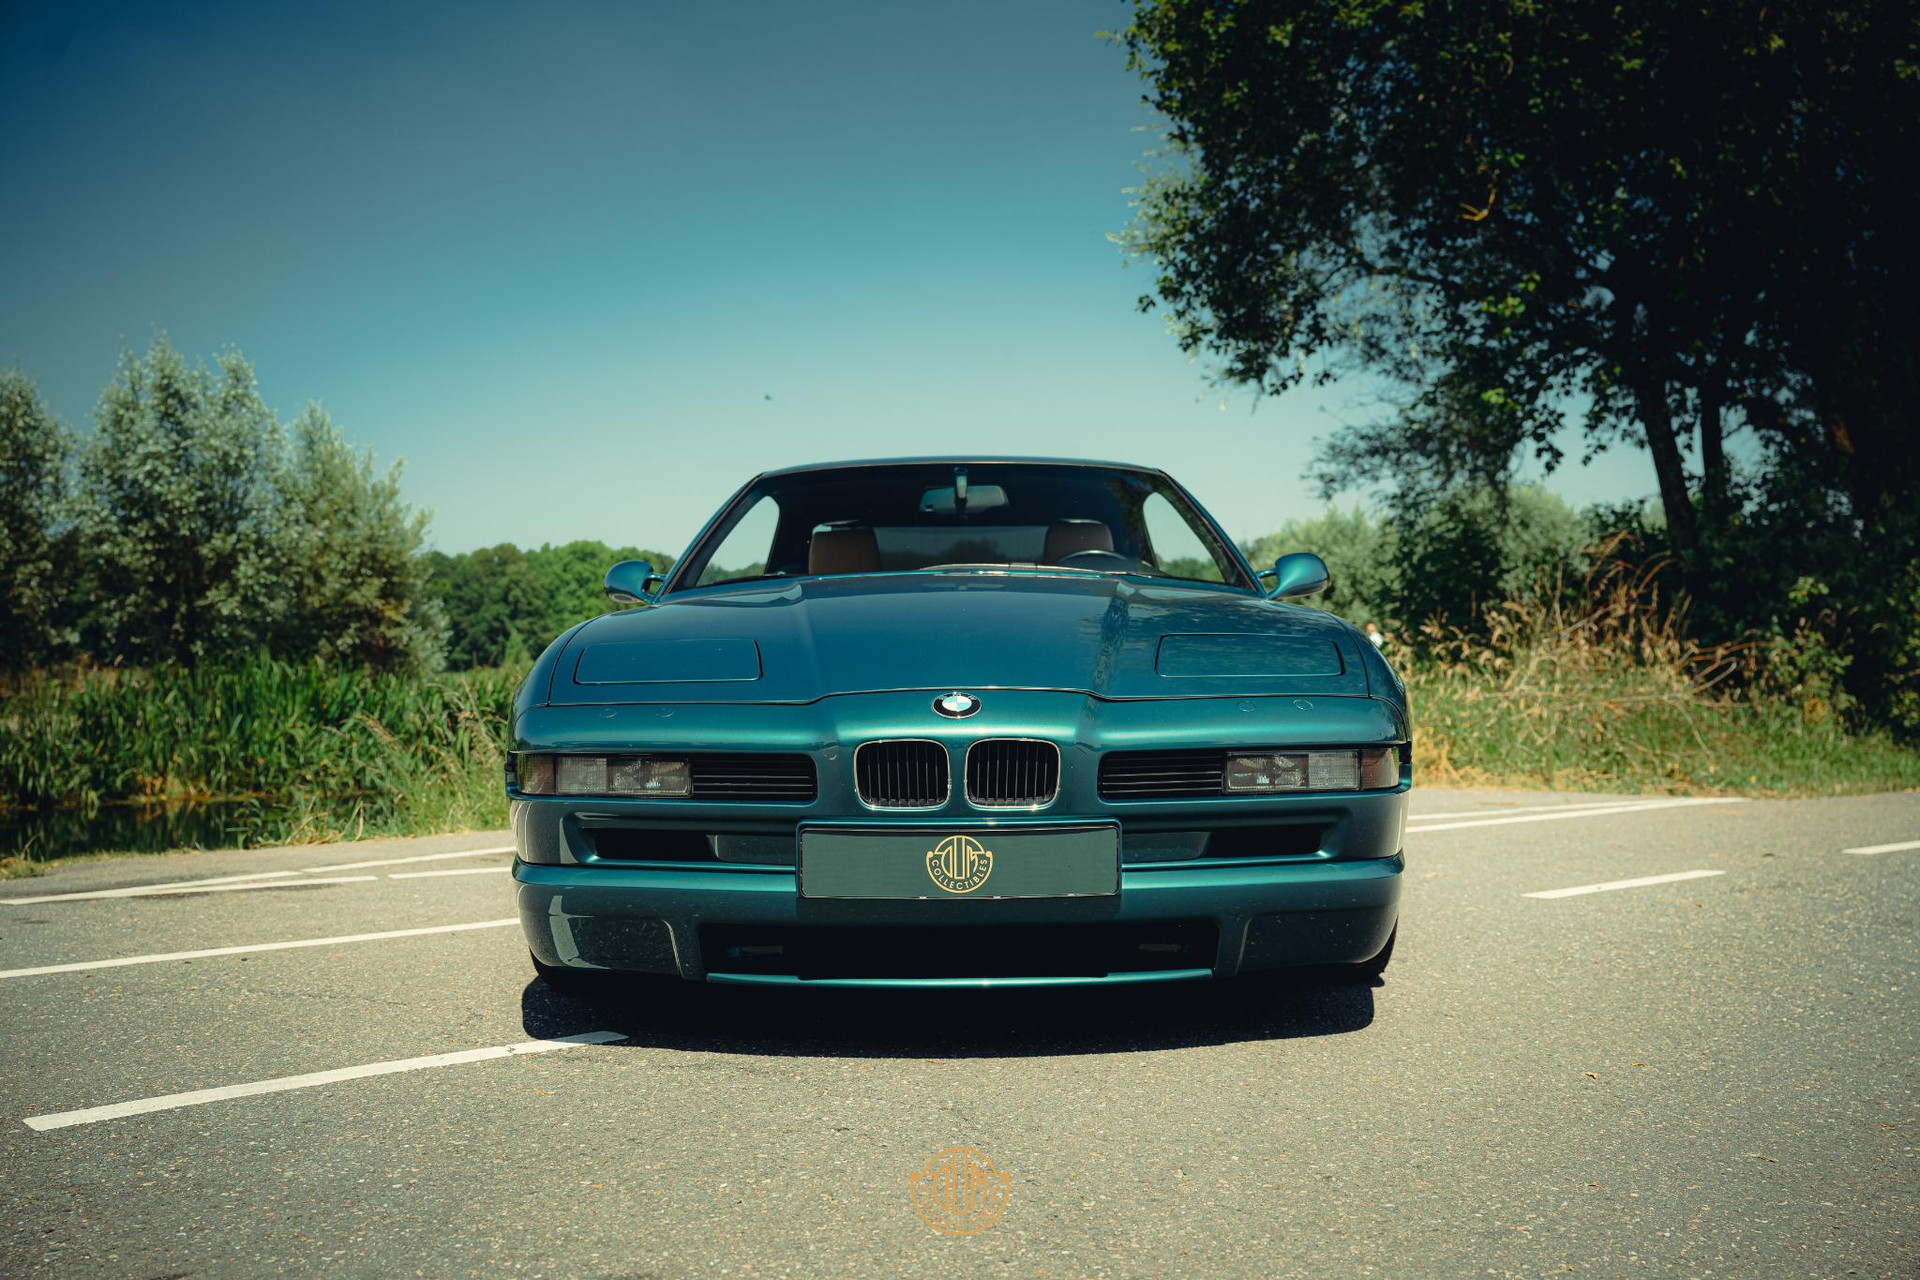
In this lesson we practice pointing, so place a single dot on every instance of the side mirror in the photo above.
(1299, 574)
(627, 583)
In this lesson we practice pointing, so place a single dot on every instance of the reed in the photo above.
(333, 752)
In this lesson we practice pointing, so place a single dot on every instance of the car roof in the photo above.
(958, 460)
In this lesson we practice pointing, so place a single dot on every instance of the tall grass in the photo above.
(1600, 688)
(336, 752)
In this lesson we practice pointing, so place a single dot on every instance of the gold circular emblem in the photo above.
(959, 864)
(958, 1192)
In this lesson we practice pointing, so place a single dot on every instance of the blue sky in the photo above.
(587, 268)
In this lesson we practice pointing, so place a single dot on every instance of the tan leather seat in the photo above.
(1075, 535)
(843, 551)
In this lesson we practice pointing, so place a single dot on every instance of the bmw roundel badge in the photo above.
(956, 706)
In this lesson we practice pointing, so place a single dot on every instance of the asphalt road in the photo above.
(1704, 1077)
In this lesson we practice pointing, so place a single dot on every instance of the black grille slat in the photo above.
(753, 777)
(1151, 774)
(906, 773)
(1012, 773)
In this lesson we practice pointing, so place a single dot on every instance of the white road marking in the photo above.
(88, 966)
(1870, 849)
(1577, 890)
(285, 877)
(172, 1101)
(458, 871)
(226, 885)
(132, 890)
(1527, 808)
(394, 862)
(1635, 807)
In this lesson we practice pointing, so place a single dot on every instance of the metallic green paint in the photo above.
(1077, 660)
(977, 629)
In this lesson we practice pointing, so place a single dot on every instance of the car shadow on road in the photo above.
(665, 1013)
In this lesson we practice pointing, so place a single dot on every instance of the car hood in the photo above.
(1106, 636)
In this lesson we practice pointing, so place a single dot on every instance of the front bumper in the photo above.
(1208, 888)
(659, 920)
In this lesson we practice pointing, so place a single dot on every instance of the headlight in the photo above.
(538, 774)
(1367, 769)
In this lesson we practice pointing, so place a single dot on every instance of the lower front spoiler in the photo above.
(1269, 915)
(971, 984)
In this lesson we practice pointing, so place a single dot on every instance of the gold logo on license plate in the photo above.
(959, 864)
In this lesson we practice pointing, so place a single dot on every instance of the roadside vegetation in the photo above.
(223, 630)
(332, 752)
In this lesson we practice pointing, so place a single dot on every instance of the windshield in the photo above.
(901, 517)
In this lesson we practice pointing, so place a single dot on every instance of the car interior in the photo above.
(878, 519)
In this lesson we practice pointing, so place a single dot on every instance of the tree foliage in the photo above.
(349, 551)
(199, 530)
(1446, 561)
(504, 604)
(1686, 217)
(175, 513)
(1665, 223)
(204, 530)
(34, 449)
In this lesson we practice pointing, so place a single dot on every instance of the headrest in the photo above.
(843, 551)
(1076, 535)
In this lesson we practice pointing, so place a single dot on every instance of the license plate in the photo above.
(948, 862)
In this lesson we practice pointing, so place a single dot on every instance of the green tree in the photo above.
(1472, 548)
(34, 449)
(491, 597)
(1446, 559)
(1678, 218)
(502, 602)
(174, 515)
(354, 582)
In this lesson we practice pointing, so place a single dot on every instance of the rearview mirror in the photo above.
(949, 501)
(627, 583)
(1300, 574)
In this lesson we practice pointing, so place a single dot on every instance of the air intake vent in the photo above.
(1149, 775)
(1013, 773)
(907, 773)
(759, 776)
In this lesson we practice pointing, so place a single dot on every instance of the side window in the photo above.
(743, 552)
(1177, 549)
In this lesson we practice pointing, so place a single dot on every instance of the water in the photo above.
(43, 835)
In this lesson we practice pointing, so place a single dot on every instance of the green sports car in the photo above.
(960, 722)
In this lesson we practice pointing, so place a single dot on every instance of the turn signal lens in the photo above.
(549, 775)
(1371, 769)
(1379, 768)
(530, 774)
